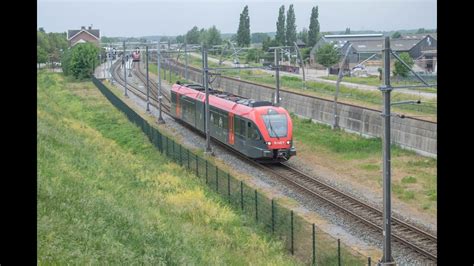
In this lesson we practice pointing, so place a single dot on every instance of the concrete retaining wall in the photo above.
(414, 134)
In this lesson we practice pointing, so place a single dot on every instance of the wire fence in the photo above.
(301, 238)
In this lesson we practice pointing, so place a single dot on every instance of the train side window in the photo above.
(252, 132)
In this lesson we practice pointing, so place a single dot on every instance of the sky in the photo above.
(173, 17)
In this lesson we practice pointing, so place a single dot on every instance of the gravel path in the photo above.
(336, 224)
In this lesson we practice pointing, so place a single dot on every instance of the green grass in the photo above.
(348, 146)
(106, 196)
(409, 180)
(349, 152)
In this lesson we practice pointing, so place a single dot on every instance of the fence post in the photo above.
(228, 187)
(273, 217)
(174, 155)
(339, 252)
(166, 146)
(256, 206)
(292, 247)
(241, 195)
(188, 158)
(369, 262)
(217, 179)
(206, 171)
(314, 244)
(197, 166)
(180, 156)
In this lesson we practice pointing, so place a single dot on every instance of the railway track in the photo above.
(405, 234)
(154, 86)
(408, 235)
(140, 92)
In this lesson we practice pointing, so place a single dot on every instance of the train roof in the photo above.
(223, 100)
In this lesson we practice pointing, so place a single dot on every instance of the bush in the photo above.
(400, 69)
(80, 60)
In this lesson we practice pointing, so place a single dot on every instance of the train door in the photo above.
(231, 128)
(178, 105)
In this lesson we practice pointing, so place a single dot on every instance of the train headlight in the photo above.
(288, 142)
(269, 143)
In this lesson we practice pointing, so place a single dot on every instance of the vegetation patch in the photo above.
(107, 196)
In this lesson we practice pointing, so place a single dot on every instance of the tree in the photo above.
(396, 35)
(243, 32)
(290, 26)
(421, 30)
(269, 42)
(253, 55)
(399, 68)
(303, 35)
(327, 55)
(280, 36)
(348, 31)
(180, 39)
(192, 36)
(213, 36)
(258, 37)
(313, 34)
(41, 55)
(80, 60)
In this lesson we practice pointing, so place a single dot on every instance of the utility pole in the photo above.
(203, 65)
(206, 87)
(387, 209)
(124, 69)
(158, 56)
(301, 63)
(147, 82)
(164, 67)
(277, 77)
(169, 65)
(339, 78)
(186, 58)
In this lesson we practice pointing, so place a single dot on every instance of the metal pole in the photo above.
(158, 56)
(186, 59)
(277, 77)
(301, 64)
(202, 56)
(339, 252)
(124, 69)
(241, 195)
(147, 82)
(169, 66)
(100, 64)
(387, 211)
(206, 73)
(339, 78)
(314, 244)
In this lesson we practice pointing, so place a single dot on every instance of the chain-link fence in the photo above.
(300, 237)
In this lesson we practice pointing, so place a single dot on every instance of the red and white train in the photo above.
(136, 55)
(256, 129)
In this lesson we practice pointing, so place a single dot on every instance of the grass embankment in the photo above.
(371, 99)
(106, 196)
(413, 176)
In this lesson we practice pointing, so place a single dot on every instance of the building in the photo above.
(421, 47)
(83, 35)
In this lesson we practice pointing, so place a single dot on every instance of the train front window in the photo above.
(277, 125)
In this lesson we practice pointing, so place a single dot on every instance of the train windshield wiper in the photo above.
(270, 124)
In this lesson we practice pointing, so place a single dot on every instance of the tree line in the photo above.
(49, 46)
